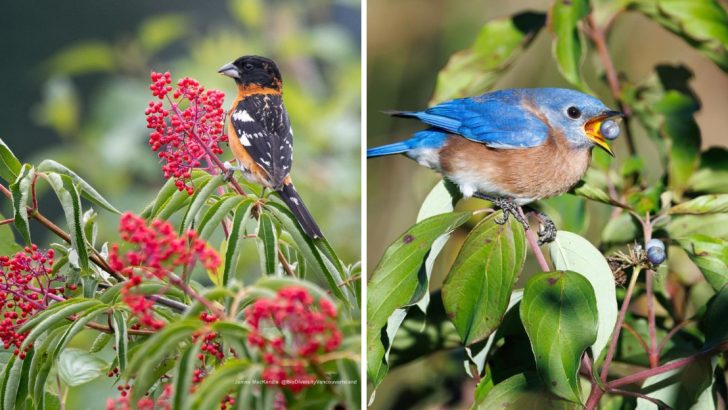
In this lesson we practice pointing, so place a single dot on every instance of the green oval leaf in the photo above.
(76, 367)
(499, 43)
(707, 204)
(477, 289)
(568, 40)
(396, 282)
(523, 391)
(711, 256)
(559, 314)
(573, 253)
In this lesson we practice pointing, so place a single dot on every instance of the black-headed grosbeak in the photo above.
(260, 134)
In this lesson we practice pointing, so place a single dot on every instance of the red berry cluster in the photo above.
(147, 403)
(26, 288)
(188, 130)
(291, 330)
(157, 251)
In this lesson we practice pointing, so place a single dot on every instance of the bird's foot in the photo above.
(508, 206)
(547, 233)
(229, 170)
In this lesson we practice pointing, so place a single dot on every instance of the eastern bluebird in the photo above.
(510, 146)
(260, 133)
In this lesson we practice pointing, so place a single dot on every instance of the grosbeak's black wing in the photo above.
(262, 125)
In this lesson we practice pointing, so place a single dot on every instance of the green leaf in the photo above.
(477, 289)
(682, 227)
(395, 282)
(232, 246)
(198, 200)
(9, 164)
(86, 190)
(573, 253)
(713, 324)
(568, 42)
(76, 367)
(77, 326)
(216, 213)
(707, 204)
(560, 316)
(216, 385)
(702, 23)
(7, 240)
(147, 358)
(712, 175)
(183, 377)
(680, 125)
(121, 337)
(325, 268)
(11, 381)
(524, 392)
(621, 229)
(170, 199)
(268, 244)
(52, 315)
(21, 193)
(595, 194)
(475, 70)
(710, 255)
(71, 203)
(82, 58)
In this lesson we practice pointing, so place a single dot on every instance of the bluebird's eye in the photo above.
(573, 112)
(609, 129)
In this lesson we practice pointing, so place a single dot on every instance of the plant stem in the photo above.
(670, 334)
(7, 221)
(533, 242)
(618, 325)
(653, 354)
(639, 376)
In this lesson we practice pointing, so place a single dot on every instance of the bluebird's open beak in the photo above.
(229, 70)
(594, 132)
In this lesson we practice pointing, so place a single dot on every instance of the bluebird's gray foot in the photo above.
(547, 233)
(507, 205)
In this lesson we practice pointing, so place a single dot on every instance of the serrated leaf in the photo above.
(232, 247)
(324, 267)
(9, 164)
(216, 213)
(707, 204)
(710, 255)
(44, 320)
(477, 289)
(86, 190)
(198, 200)
(395, 282)
(20, 189)
(216, 385)
(170, 199)
(76, 367)
(268, 244)
(560, 316)
(521, 392)
(71, 203)
(568, 42)
(475, 70)
(573, 253)
(121, 337)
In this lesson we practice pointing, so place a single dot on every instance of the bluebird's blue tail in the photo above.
(390, 149)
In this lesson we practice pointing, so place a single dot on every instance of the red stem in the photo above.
(7, 221)
(533, 242)
(618, 325)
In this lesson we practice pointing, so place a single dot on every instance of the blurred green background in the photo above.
(409, 41)
(74, 79)
(75, 82)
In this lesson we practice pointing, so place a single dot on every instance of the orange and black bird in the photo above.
(260, 134)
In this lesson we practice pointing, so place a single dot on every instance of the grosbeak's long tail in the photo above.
(290, 196)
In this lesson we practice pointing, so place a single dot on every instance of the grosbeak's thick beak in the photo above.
(593, 129)
(229, 70)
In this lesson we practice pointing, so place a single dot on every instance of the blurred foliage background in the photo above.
(75, 79)
(402, 67)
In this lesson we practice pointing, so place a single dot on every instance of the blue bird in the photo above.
(510, 146)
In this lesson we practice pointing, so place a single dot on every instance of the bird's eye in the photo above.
(573, 112)
(248, 66)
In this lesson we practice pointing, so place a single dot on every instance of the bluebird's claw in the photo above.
(547, 233)
(507, 205)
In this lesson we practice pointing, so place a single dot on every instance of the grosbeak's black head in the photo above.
(253, 71)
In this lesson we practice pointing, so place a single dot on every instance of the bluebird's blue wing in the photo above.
(498, 120)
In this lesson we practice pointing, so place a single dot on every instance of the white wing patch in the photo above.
(242, 115)
(244, 138)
